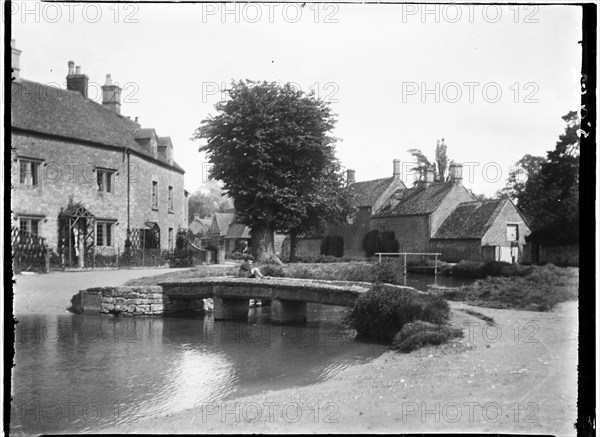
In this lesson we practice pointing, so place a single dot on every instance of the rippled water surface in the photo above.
(79, 373)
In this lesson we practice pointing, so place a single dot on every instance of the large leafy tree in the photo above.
(550, 198)
(271, 147)
(523, 170)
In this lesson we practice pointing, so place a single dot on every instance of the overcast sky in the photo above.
(493, 81)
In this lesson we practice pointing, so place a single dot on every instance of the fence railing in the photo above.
(405, 254)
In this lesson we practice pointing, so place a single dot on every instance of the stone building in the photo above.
(434, 217)
(104, 175)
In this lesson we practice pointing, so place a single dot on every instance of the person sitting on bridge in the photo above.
(247, 270)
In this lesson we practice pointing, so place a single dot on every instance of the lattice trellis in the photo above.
(28, 249)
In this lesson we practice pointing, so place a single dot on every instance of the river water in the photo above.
(78, 373)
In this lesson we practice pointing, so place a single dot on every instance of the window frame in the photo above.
(108, 182)
(35, 165)
(108, 232)
(154, 194)
(30, 219)
(171, 246)
(170, 201)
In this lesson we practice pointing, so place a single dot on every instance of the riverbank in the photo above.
(517, 376)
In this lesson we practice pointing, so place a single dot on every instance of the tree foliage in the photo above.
(439, 165)
(550, 197)
(208, 200)
(520, 173)
(271, 147)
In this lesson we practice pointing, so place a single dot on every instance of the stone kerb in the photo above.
(148, 300)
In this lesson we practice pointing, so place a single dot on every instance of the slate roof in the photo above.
(224, 219)
(415, 201)
(470, 220)
(238, 230)
(366, 193)
(58, 112)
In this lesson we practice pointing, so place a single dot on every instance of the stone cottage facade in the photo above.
(435, 217)
(101, 172)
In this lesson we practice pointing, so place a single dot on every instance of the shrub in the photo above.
(383, 311)
(388, 271)
(371, 242)
(419, 333)
(387, 242)
(480, 270)
(236, 256)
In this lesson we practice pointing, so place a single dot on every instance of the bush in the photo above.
(389, 271)
(480, 270)
(419, 333)
(383, 311)
(371, 242)
(236, 256)
(387, 242)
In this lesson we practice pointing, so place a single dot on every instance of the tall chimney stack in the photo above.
(429, 176)
(71, 68)
(456, 173)
(77, 82)
(111, 95)
(15, 61)
(350, 174)
(396, 168)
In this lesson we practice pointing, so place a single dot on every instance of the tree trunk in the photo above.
(293, 246)
(263, 245)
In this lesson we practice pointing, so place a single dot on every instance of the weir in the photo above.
(288, 297)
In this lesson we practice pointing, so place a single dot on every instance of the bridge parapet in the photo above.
(230, 295)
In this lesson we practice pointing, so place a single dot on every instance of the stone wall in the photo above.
(133, 301)
(354, 233)
(67, 173)
(457, 194)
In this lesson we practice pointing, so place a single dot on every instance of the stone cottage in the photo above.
(435, 217)
(108, 178)
(491, 230)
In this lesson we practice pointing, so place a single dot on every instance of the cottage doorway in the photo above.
(151, 236)
(77, 236)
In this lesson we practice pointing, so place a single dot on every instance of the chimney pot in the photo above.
(111, 95)
(15, 61)
(429, 176)
(77, 82)
(396, 168)
(71, 68)
(350, 177)
(456, 173)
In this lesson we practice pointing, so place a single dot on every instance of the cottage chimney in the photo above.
(396, 168)
(111, 95)
(429, 177)
(456, 173)
(350, 174)
(77, 82)
(15, 61)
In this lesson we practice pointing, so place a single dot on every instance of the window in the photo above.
(512, 232)
(104, 233)
(155, 194)
(170, 199)
(105, 180)
(31, 225)
(170, 238)
(29, 172)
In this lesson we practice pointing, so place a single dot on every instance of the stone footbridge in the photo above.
(288, 297)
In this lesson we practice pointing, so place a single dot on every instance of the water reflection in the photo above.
(79, 373)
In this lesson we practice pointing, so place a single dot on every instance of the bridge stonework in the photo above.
(230, 296)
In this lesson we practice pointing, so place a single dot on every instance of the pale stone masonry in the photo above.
(68, 149)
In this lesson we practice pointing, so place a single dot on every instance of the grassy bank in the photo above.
(196, 272)
(540, 289)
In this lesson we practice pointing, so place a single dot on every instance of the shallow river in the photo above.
(79, 373)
